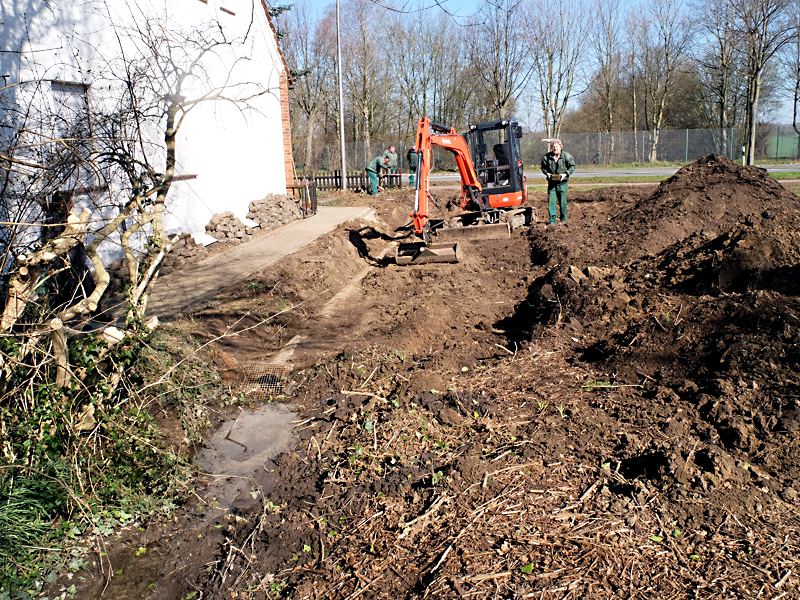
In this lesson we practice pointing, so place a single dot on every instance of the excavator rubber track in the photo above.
(420, 253)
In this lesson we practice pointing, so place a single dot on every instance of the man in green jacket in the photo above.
(373, 169)
(392, 156)
(557, 167)
(411, 156)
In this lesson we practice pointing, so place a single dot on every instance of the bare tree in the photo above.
(606, 46)
(556, 46)
(430, 73)
(498, 53)
(417, 46)
(716, 60)
(366, 67)
(633, 25)
(153, 74)
(663, 52)
(790, 69)
(310, 53)
(763, 28)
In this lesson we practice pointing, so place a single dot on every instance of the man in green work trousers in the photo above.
(411, 156)
(373, 169)
(557, 167)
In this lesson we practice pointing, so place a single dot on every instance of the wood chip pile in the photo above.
(229, 229)
(274, 210)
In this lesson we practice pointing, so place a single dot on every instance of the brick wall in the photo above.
(288, 155)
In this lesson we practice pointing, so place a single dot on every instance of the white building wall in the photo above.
(234, 150)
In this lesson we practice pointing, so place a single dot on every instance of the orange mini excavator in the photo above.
(492, 183)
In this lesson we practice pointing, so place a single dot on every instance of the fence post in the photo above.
(730, 149)
(642, 147)
(599, 147)
(686, 154)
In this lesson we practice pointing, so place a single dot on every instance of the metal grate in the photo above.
(263, 380)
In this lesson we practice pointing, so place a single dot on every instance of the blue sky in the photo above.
(458, 8)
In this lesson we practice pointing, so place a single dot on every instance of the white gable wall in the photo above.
(235, 150)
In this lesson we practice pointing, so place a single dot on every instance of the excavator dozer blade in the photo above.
(474, 232)
(419, 253)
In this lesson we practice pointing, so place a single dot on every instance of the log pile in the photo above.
(274, 210)
(228, 229)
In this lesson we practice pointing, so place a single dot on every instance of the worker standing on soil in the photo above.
(373, 169)
(411, 156)
(557, 167)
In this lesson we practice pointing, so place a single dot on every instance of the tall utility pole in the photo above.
(341, 95)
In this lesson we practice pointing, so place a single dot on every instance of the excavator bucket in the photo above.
(474, 232)
(419, 253)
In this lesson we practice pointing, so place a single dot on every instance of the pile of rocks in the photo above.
(274, 210)
(184, 252)
(118, 272)
(229, 229)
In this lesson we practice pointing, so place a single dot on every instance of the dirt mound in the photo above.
(708, 198)
(605, 409)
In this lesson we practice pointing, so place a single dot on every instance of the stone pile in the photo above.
(274, 210)
(228, 229)
(184, 252)
(118, 273)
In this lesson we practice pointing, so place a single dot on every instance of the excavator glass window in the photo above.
(495, 153)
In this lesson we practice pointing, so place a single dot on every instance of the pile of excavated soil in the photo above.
(609, 409)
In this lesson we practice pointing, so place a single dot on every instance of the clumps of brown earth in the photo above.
(603, 410)
(636, 436)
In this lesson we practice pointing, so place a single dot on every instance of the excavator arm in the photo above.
(429, 136)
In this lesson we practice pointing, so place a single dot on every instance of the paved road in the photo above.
(628, 172)
(199, 283)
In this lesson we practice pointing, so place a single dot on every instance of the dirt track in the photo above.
(606, 409)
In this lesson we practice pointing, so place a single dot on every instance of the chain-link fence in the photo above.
(774, 142)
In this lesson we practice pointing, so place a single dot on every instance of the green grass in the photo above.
(635, 165)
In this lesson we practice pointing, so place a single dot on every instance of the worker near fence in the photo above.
(411, 156)
(392, 156)
(373, 169)
(557, 167)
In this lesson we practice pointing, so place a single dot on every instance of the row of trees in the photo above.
(602, 66)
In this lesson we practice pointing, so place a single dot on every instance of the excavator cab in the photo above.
(495, 152)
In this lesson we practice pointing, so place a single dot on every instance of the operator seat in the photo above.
(501, 152)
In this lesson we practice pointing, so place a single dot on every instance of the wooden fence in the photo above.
(355, 179)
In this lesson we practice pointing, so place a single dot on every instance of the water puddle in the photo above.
(237, 458)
